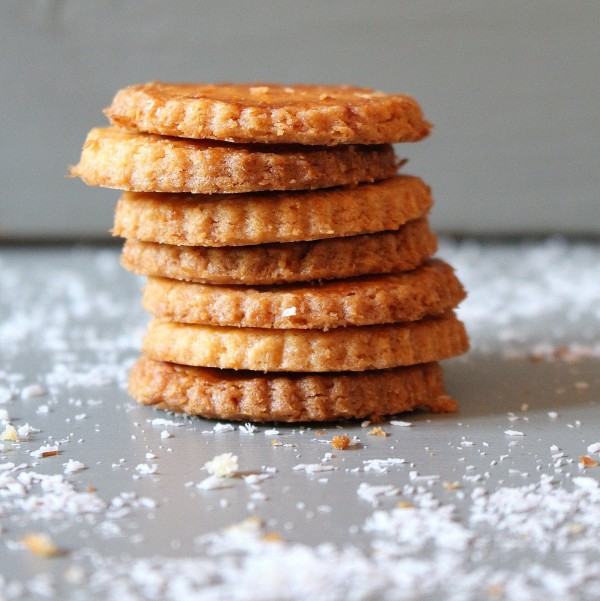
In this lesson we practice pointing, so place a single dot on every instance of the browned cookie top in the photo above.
(269, 113)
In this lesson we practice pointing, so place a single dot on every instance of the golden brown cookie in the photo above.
(225, 394)
(247, 219)
(431, 289)
(342, 349)
(266, 264)
(114, 158)
(269, 113)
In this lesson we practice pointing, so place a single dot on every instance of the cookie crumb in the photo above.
(377, 431)
(340, 442)
(587, 461)
(41, 544)
(45, 451)
(450, 485)
(223, 466)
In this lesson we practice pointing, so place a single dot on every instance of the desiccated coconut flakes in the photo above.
(73, 466)
(540, 515)
(223, 466)
(9, 434)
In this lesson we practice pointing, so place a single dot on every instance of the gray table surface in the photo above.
(475, 510)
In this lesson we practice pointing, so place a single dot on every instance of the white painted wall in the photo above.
(513, 88)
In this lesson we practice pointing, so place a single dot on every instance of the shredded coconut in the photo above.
(224, 465)
(9, 434)
(72, 466)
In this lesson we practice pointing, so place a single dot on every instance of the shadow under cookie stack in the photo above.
(289, 265)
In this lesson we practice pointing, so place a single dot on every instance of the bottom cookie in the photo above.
(244, 395)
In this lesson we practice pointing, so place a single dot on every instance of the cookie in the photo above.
(269, 113)
(340, 349)
(247, 219)
(230, 395)
(114, 158)
(430, 289)
(274, 263)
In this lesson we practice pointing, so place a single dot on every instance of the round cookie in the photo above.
(247, 219)
(223, 394)
(114, 158)
(341, 349)
(278, 263)
(269, 113)
(431, 289)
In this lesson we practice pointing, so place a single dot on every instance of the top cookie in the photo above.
(269, 113)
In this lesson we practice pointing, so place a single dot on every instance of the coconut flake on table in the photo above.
(146, 469)
(220, 429)
(161, 421)
(513, 433)
(213, 482)
(372, 492)
(223, 466)
(312, 468)
(33, 390)
(72, 466)
(248, 428)
(9, 434)
(594, 448)
(382, 465)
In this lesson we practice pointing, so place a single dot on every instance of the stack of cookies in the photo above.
(290, 270)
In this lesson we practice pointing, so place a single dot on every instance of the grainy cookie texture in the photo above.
(279, 240)
(278, 263)
(430, 289)
(341, 349)
(224, 394)
(247, 219)
(149, 163)
(269, 113)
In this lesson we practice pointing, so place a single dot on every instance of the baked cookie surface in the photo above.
(247, 219)
(431, 289)
(277, 263)
(114, 158)
(341, 349)
(223, 394)
(269, 113)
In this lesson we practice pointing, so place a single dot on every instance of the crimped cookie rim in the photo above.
(310, 114)
(430, 289)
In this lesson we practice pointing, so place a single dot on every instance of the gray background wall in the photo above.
(512, 86)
